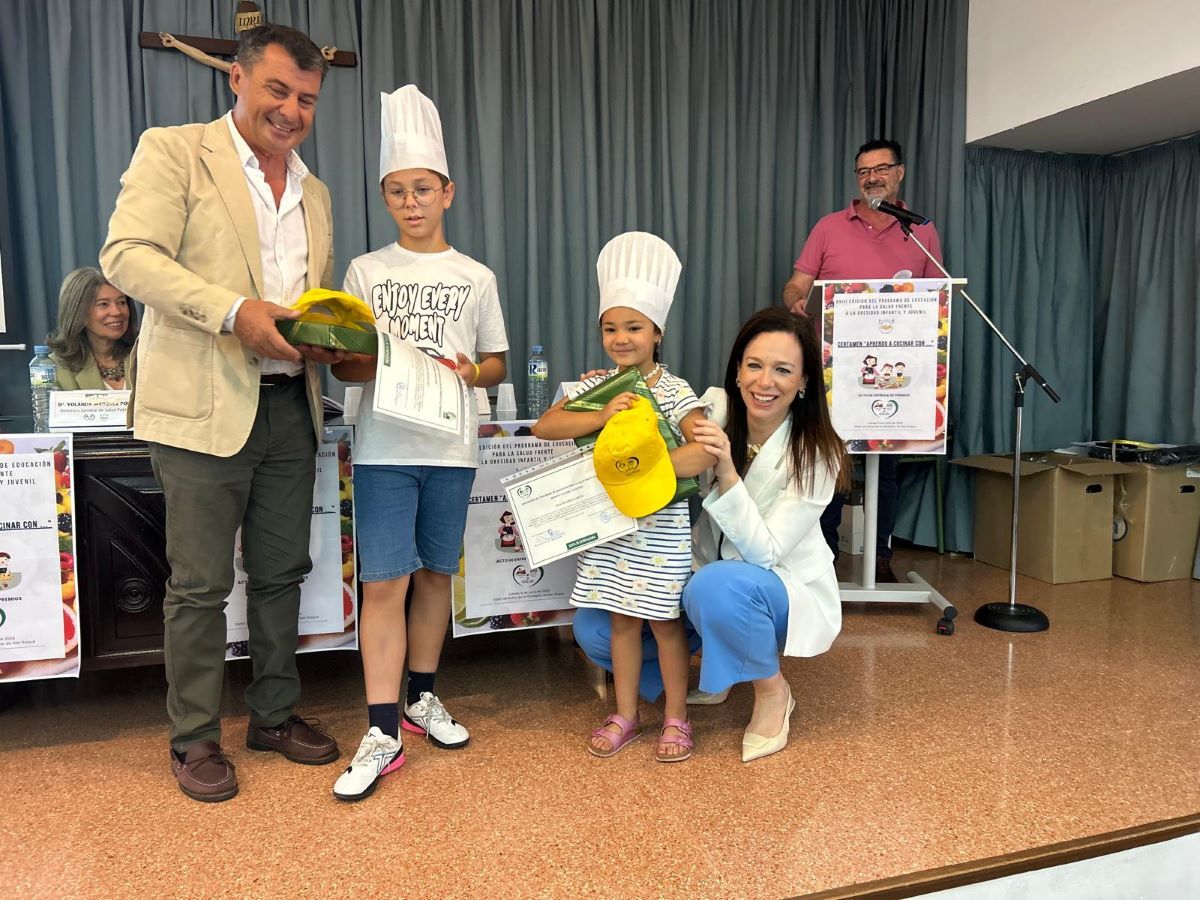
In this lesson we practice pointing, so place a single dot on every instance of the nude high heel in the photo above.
(755, 746)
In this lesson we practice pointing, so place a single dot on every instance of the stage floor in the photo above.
(908, 751)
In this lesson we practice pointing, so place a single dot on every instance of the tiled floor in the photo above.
(909, 751)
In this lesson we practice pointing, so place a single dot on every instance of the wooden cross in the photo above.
(206, 49)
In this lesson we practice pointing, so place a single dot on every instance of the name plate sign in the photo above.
(88, 410)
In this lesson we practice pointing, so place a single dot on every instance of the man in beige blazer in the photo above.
(217, 229)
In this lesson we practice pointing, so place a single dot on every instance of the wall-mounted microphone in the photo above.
(904, 215)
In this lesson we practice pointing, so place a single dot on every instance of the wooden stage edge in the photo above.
(940, 879)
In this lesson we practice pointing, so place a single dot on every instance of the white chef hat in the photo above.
(638, 270)
(410, 133)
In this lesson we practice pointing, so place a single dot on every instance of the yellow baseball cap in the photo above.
(632, 461)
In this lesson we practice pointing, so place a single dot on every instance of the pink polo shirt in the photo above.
(842, 245)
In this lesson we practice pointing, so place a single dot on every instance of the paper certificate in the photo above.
(561, 508)
(413, 387)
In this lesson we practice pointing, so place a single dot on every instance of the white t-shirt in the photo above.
(444, 303)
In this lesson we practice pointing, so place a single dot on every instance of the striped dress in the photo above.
(643, 574)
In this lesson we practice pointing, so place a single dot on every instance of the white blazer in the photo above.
(768, 519)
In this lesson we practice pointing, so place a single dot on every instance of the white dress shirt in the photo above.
(282, 237)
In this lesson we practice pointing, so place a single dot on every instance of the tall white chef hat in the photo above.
(638, 270)
(410, 133)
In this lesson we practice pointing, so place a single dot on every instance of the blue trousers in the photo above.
(593, 633)
(736, 616)
(889, 494)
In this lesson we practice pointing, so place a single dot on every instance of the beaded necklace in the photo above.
(112, 373)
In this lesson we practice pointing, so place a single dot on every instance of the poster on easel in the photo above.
(886, 360)
(496, 588)
(328, 595)
(39, 597)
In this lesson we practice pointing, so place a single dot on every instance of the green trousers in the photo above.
(266, 488)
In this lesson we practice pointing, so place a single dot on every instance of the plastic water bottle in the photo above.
(43, 378)
(537, 388)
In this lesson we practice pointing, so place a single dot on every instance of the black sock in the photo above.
(385, 717)
(419, 682)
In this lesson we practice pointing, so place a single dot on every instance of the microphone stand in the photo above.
(1010, 616)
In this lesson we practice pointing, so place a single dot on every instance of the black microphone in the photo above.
(904, 215)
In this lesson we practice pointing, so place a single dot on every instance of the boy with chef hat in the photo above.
(412, 485)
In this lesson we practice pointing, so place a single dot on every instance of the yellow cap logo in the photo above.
(632, 461)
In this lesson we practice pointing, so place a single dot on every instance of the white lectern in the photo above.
(886, 356)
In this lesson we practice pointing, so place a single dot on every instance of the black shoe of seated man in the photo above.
(296, 738)
(883, 571)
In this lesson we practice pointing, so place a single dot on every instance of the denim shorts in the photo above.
(409, 518)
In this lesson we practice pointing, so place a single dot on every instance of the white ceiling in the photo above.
(1155, 111)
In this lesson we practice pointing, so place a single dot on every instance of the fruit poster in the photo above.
(39, 604)
(886, 363)
(328, 607)
(496, 588)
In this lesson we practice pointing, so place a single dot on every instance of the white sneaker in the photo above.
(428, 716)
(377, 755)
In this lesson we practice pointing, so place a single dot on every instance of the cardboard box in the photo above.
(1065, 524)
(1156, 518)
(850, 530)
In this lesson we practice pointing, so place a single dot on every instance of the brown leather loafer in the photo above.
(205, 774)
(297, 739)
(883, 571)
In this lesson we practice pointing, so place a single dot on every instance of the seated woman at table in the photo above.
(764, 582)
(97, 326)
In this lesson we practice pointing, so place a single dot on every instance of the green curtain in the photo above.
(76, 91)
(1147, 315)
(1089, 265)
(1028, 267)
(728, 128)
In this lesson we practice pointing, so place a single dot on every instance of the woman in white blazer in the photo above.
(763, 581)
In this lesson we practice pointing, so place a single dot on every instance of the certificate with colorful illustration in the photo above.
(497, 588)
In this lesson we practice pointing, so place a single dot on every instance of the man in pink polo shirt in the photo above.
(859, 243)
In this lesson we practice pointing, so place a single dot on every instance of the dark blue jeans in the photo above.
(889, 491)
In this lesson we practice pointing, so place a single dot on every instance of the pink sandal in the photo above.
(630, 731)
(684, 740)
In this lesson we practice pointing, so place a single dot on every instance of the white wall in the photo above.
(1027, 59)
(1167, 870)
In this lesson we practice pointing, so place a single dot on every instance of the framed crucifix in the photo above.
(210, 51)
